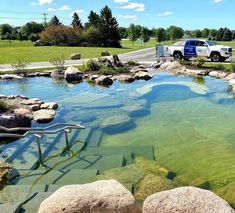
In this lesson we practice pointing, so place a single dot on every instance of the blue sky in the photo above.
(189, 14)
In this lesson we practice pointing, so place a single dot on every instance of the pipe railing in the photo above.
(39, 132)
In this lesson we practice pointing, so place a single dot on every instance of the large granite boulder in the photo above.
(73, 74)
(125, 78)
(43, 116)
(59, 74)
(230, 77)
(164, 65)
(104, 80)
(218, 74)
(13, 120)
(23, 111)
(50, 105)
(75, 56)
(186, 200)
(10, 77)
(174, 66)
(101, 196)
(142, 76)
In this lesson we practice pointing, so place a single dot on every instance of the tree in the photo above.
(145, 34)
(93, 20)
(213, 33)
(76, 23)
(132, 33)
(31, 28)
(233, 35)
(160, 34)
(123, 32)
(187, 33)
(227, 36)
(175, 32)
(5, 29)
(196, 33)
(92, 37)
(109, 28)
(205, 33)
(219, 35)
(55, 21)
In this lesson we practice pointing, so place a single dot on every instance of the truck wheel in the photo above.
(215, 57)
(178, 56)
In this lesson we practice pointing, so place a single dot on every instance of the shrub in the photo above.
(93, 65)
(20, 66)
(219, 67)
(107, 71)
(122, 70)
(131, 63)
(34, 37)
(183, 62)
(58, 62)
(232, 67)
(199, 61)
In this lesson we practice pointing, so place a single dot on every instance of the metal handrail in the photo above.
(39, 132)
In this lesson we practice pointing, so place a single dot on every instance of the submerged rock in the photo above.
(134, 108)
(101, 196)
(4, 174)
(227, 193)
(186, 199)
(152, 184)
(43, 116)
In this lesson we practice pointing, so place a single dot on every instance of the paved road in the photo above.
(144, 56)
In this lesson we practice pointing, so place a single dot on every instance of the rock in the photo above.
(93, 77)
(10, 77)
(142, 76)
(75, 56)
(84, 117)
(73, 74)
(152, 184)
(105, 53)
(125, 78)
(165, 65)
(34, 107)
(2, 96)
(173, 66)
(43, 116)
(156, 65)
(101, 196)
(230, 77)
(227, 192)
(134, 108)
(137, 69)
(232, 82)
(14, 120)
(104, 80)
(186, 199)
(51, 105)
(23, 111)
(106, 62)
(11, 97)
(57, 74)
(5, 170)
(218, 74)
(116, 122)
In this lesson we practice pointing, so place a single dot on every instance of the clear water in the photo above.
(189, 121)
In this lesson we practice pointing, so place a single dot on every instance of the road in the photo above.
(144, 56)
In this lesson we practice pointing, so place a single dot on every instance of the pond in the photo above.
(190, 122)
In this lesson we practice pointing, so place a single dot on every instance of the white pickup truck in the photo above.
(192, 48)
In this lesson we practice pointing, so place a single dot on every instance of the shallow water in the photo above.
(189, 121)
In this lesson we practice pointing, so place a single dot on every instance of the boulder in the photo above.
(186, 199)
(101, 196)
(50, 105)
(43, 116)
(34, 107)
(73, 74)
(93, 77)
(173, 66)
(142, 76)
(125, 78)
(14, 120)
(230, 77)
(105, 53)
(57, 74)
(75, 56)
(23, 111)
(152, 184)
(2, 96)
(165, 65)
(218, 74)
(104, 80)
(137, 69)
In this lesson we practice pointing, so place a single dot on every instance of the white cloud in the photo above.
(218, 1)
(167, 13)
(65, 7)
(121, 1)
(42, 2)
(79, 12)
(130, 17)
(134, 6)
(51, 9)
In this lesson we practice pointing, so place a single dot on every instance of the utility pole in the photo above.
(45, 17)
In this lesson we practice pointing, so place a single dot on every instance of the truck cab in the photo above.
(192, 48)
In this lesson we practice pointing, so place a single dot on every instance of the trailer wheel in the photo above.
(216, 57)
(178, 56)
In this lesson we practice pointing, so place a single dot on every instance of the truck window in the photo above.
(201, 43)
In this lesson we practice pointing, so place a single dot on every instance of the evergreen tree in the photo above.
(76, 23)
(93, 20)
(109, 28)
(227, 36)
(233, 36)
(55, 21)
(219, 35)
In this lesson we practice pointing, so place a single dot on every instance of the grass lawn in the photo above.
(10, 51)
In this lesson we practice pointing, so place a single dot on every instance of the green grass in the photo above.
(10, 51)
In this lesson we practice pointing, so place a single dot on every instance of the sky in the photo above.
(188, 14)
